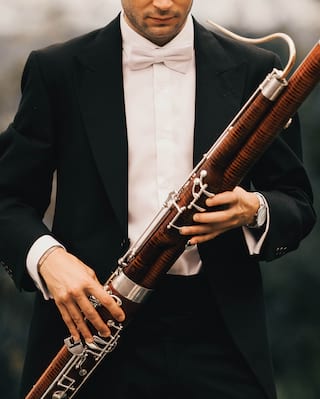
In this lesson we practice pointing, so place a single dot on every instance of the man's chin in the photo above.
(161, 34)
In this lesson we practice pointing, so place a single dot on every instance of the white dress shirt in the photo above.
(160, 114)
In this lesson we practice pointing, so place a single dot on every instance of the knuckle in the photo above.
(63, 298)
(91, 273)
(108, 300)
(68, 321)
(91, 314)
(76, 295)
(78, 320)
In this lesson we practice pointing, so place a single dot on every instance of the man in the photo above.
(121, 133)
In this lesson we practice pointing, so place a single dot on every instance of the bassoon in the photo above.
(268, 111)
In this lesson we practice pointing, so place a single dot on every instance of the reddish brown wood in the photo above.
(300, 85)
(235, 153)
(231, 160)
(50, 374)
(165, 246)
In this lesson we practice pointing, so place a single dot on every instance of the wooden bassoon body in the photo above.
(222, 168)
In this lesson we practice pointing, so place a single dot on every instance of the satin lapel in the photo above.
(219, 81)
(102, 103)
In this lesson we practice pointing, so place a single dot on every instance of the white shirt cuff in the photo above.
(38, 248)
(254, 245)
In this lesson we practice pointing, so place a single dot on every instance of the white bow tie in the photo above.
(174, 58)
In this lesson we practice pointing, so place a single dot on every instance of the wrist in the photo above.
(46, 255)
(260, 216)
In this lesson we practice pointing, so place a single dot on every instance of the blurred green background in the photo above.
(292, 284)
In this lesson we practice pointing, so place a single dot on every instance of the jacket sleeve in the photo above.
(281, 177)
(26, 169)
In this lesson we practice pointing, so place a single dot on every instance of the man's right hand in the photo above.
(70, 283)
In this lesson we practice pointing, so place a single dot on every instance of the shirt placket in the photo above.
(165, 162)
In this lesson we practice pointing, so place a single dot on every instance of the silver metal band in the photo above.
(129, 289)
(273, 85)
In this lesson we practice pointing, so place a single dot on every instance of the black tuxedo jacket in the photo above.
(72, 119)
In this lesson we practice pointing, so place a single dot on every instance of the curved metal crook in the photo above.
(264, 39)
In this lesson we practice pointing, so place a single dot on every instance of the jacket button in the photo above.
(281, 251)
(125, 243)
(7, 268)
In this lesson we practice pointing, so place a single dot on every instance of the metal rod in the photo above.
(264, 39)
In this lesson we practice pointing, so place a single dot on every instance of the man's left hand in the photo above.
(231, 209)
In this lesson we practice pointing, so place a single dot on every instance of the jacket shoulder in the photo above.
(78, 44)
(234, 49)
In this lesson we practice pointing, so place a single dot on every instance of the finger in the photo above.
(200, 234)
(108, 302)
(78, 319)
(195, 230)
(69, 322)
(217, 218)
(90, 313)
(202, 238)
(220, 199)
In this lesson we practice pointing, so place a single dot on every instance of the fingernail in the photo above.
(121, 317)
(190, 244)
(104, 334)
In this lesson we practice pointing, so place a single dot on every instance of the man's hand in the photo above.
(70, 283)
(234, 209)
